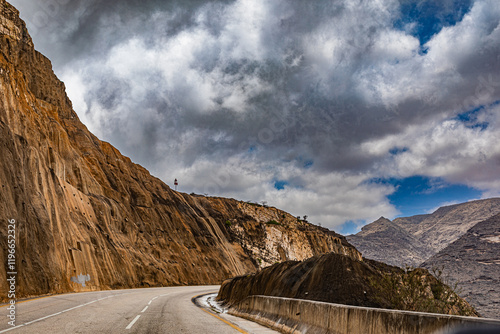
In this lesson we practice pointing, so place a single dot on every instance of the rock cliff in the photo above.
(473, 262)
(83, 210)
(412, 240)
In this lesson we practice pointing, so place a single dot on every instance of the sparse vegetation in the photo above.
(228, 222)
(414, 289)
(273, 222)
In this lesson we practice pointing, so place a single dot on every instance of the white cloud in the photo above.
(468, 36)
(450, 149)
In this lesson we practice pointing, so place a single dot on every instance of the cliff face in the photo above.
(271, 235)
(413, 240)
(473, 262)
(83, 208)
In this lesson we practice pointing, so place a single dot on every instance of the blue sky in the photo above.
(426, 18)
(420, 195)
(334, 109)
(430, 193)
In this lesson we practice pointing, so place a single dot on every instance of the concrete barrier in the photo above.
(304, 316)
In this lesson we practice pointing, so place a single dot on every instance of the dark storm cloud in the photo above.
(79, 28)
(235, 95)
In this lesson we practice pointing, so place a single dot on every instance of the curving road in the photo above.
(154, 310)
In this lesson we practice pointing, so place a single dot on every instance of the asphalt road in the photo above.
(154, 310)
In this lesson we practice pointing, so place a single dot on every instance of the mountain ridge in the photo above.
(421, 236)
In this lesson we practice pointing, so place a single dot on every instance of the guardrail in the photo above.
(304, 316)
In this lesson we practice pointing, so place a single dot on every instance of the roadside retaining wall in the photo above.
(304, 316)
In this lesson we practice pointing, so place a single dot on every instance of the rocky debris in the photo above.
(412, 240)
(473, 263)
(84, 210)
(336, 278)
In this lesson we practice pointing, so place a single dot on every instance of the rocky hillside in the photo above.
(412, 240)
(82, 208)
(340, 279)
(384, 240)
(473, 262)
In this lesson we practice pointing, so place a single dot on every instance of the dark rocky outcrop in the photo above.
(336, 278)
(84, 209)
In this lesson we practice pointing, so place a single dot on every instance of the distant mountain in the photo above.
(386, 241)
(413, 240)
(473, 261)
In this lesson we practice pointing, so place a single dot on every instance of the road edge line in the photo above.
(194, 301)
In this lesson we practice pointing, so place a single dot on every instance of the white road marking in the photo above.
(53, 315)
(144, 309)
(9, 329)
(150, 302)
(133, 322)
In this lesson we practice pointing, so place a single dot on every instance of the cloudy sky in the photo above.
(342, 110)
